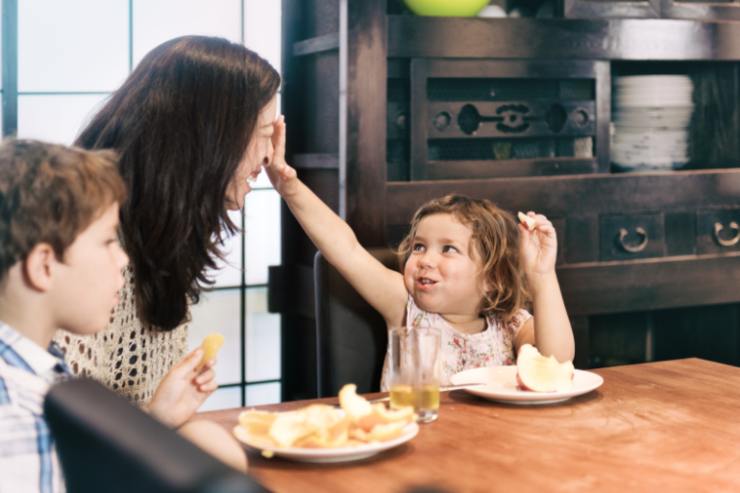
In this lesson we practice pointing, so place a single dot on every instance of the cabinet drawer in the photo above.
(718, 231)
(626, 237)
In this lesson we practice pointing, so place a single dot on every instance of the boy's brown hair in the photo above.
(496, 238)
(49, 194)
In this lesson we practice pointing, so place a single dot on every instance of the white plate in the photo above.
(327, 455)
(499, 384)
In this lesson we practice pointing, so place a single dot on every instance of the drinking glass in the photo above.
(414, 361)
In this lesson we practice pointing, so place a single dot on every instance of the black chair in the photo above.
(351, 335)
(106, 444)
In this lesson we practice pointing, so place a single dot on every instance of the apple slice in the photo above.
(210, 345)
(542, 374)
(529, 222)
(356, 406)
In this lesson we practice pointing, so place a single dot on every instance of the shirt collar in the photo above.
(20, 351)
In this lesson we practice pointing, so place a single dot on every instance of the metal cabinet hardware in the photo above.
(633, 247)
(732, 240)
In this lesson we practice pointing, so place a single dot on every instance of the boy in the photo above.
(61, 267)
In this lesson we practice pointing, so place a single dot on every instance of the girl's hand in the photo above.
(281, 174)
(538, 247)
(183, 390)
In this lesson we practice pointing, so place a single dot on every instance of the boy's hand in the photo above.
(183, 390)
(538, 247)
(281, 174)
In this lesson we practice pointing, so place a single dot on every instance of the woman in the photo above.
(191, 124)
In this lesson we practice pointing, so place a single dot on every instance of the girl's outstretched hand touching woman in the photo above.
(281, 174)
(383, 288)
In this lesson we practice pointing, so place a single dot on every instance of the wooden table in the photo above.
(668, 426)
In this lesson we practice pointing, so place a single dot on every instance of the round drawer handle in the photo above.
(727, 242)
(633, 248)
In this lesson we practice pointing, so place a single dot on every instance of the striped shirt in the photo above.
(28, 459)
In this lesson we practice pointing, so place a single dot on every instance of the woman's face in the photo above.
(259, 152)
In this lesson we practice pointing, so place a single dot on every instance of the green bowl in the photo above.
(446, 8)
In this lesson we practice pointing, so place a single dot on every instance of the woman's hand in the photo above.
(538, 248)
(183, 390)
(281, 174)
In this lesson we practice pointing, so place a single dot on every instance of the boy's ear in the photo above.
(38, 267)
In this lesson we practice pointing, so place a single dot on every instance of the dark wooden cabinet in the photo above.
(699, 9)
(386, 110)
(498, 118)
(672, 9)
(588, 9)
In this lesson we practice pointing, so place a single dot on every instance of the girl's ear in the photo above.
(38, 267)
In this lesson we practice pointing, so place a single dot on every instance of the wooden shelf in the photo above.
(615, 39)
(650, 284)
(580, 194)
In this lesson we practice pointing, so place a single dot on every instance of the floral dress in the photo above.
(459, 351)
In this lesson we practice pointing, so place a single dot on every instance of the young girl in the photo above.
(466, 269)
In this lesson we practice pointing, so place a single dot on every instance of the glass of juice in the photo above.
(413, 360)
(425, 344)
(401, 369)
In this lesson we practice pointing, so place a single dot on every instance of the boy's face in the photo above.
(443, 271)
(86, 283)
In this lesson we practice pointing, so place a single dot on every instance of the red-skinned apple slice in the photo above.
(542, 374)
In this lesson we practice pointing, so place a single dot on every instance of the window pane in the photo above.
(55, 118)
(1, 46)
(223, 399)
(262, 232)
(230, 271)
(219, 311)
(212, 18)
(263, 393)
(262, 29)
(263, 338)
(72, 45)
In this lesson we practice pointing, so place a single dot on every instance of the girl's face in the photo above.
(443, 272)
(259, 152)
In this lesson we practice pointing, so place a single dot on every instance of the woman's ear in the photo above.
(38, 267)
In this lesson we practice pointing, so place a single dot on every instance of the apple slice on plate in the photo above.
(542, 374)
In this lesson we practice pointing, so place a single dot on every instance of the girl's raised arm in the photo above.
(550, 328)
(381, 287)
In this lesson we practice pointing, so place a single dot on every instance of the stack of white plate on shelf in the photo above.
(651, 118)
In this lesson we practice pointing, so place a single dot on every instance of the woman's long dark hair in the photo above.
(181, 124)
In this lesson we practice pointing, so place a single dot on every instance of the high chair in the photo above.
(351, 337)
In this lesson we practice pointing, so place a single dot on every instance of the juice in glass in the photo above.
(413, 364)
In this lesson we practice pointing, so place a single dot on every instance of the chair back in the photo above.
(107, 444)
(351, 336)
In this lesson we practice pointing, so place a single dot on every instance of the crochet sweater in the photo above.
(129, 356)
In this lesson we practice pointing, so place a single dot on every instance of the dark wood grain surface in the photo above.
(667, 426)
